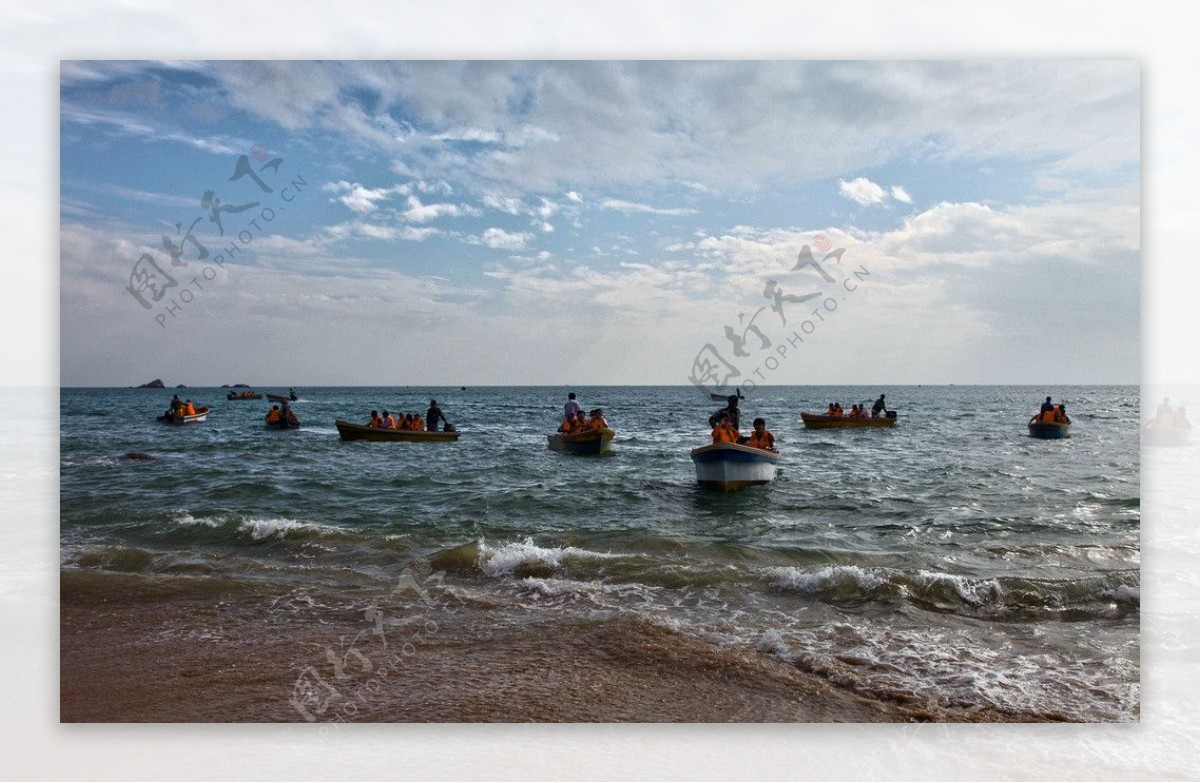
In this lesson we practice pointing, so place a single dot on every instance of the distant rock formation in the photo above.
(241, 386)
(181, 386)
(154, 384)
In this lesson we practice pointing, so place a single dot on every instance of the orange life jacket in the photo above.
(376, 422)
(598, 423)
(273, 415)
(189, 409)
(763, 440)
(725, 433)
(418, 424)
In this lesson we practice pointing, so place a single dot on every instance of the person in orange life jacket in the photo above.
(189, 409)
(1179, 419)
(376, 421)
(724, 431)
(273, 415)
(567, 422)
(597, 421)
(831, 411)
(761, 437)
(418, 423)
(1060, 414)
(855, 412)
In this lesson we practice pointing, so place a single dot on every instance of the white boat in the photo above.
(730, 466)
(199, 416)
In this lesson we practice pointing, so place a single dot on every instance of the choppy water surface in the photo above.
(952, 557)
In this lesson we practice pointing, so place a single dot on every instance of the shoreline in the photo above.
(141, 654)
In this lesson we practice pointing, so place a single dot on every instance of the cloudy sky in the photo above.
(599, 222)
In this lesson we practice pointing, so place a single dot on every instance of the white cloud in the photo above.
(423, 213)
(900, 194)
(573, 196)
(631, 207)
(510, 204)
(499, 239)
(862, 191)
(359, 198)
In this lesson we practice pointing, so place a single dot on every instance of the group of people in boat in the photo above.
(836, 411)
(575, 422)
(182, 408)
(1170, 417)
(278, 415)
(412, 422)
(1051, 414)
(724, 425)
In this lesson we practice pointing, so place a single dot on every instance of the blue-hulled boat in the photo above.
(730, 466)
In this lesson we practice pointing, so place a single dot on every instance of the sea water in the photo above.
(952, 560)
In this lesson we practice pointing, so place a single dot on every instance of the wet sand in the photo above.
(150, 652)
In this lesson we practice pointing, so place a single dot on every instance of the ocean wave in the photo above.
(258, 529)
(955, 674)
(528, 559)
(1114, 594)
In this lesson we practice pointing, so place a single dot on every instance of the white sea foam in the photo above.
(976, 592)
(810, 582)
(282, 527)
(186, 519)
(503, 560)
(772, 642)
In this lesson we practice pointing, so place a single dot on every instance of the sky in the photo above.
(446, 223)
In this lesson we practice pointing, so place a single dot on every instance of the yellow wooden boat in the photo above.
(351, 431)
(816, 421)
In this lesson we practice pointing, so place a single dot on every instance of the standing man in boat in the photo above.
(730, 410)
(571, 410)
(433, 416)
(879, 407)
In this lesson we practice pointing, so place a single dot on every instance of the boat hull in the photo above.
(283, 425)
(1048, 430)
(591, 443)
(194, 419)
(814, 421)
(232, 396)
(727, 467)
(1165, 436)
(351, 431)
